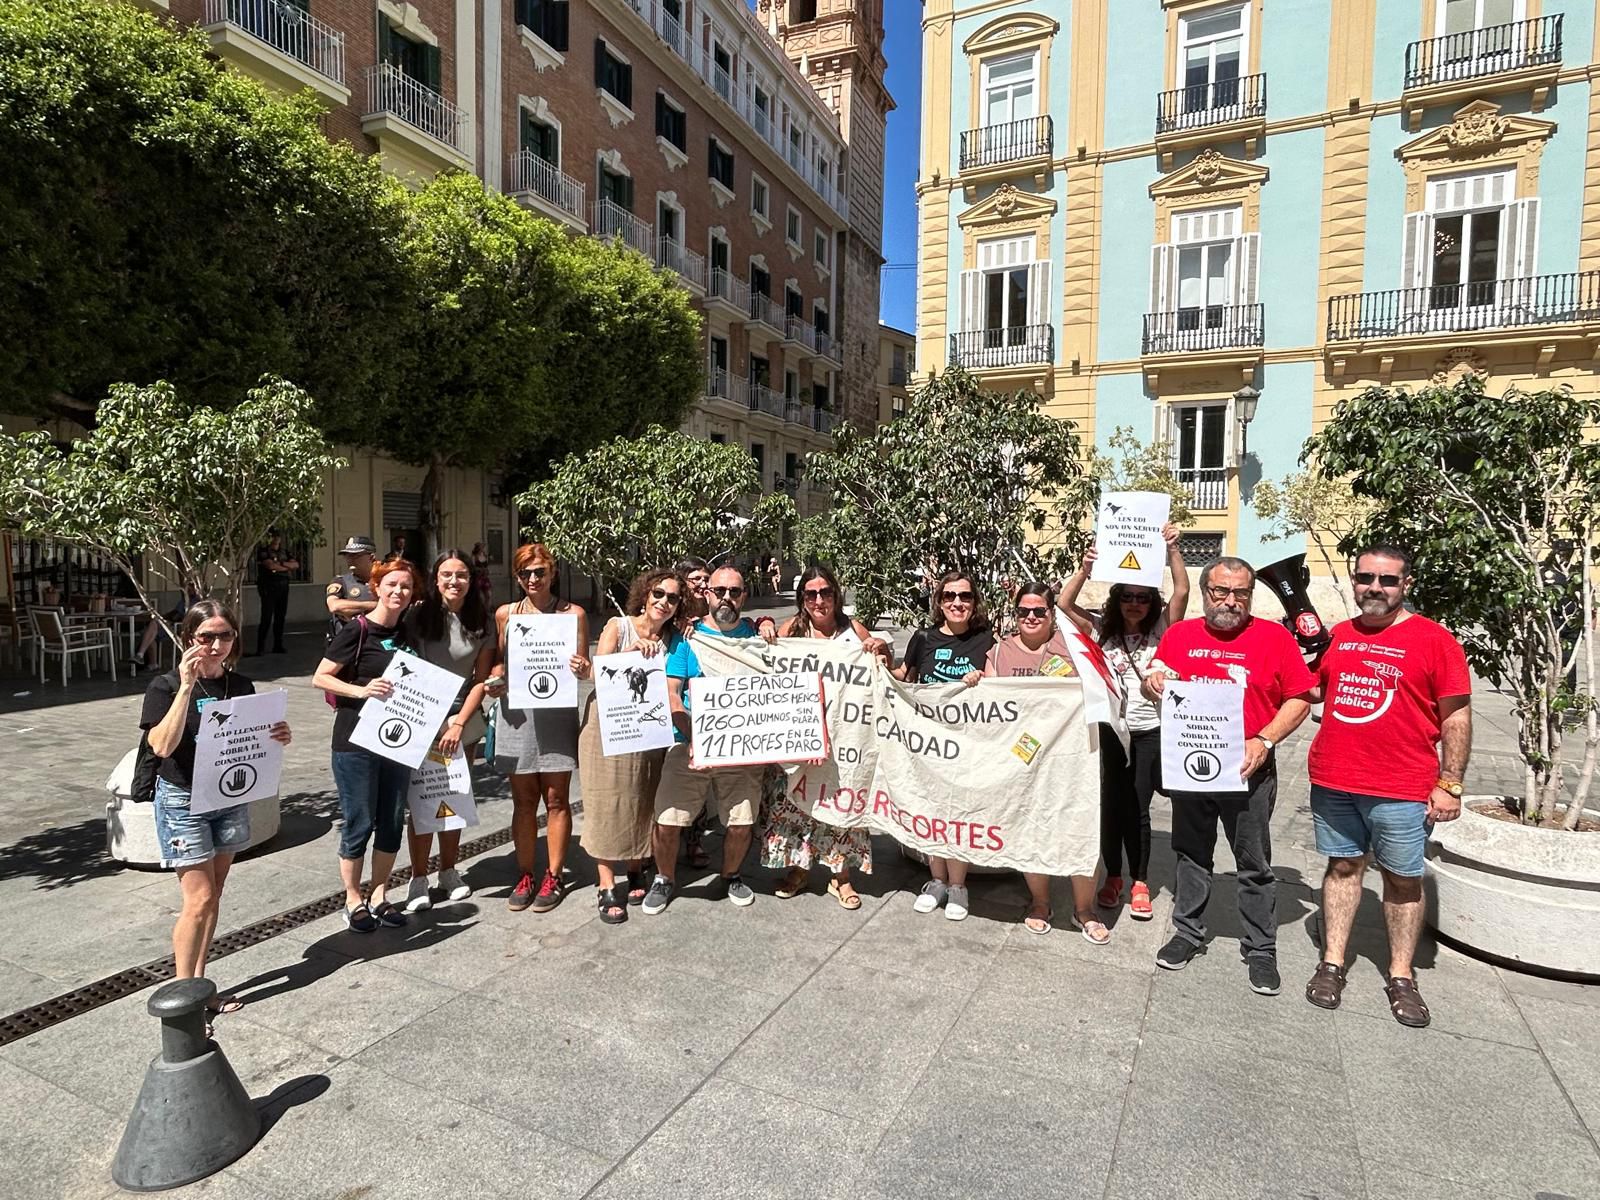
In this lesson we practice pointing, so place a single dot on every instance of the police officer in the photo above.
(350, 595)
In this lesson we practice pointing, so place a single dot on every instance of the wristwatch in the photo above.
(1448, 785)
(1266, 741)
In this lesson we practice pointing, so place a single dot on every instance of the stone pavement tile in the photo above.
(255, 889)
(372, 1135)
(56, 1146)
(730, 1142)
(853, 1040)
(53, 933)
(601, 1088)
(21, 988)
(1566, 1035)
(1432, 1077)
(953, 954)
(1520, 983)
(1133, 944)
(1207, 1119)
(451, 945)
(1384, 1181)
(1038, 969)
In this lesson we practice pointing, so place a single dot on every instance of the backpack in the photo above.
(145, 765)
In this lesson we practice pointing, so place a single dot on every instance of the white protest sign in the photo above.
(747, 720)
(1128, 542)
(440, 795)
(402, 725)
(539, 649)
(1202, 736)
(235, 759)
(635, 711)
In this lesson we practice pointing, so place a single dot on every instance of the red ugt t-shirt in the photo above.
(1263, 656)
(1380, 724)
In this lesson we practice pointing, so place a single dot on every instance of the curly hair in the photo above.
(639, 590)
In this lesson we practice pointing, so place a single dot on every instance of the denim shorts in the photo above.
(188, 840)
(1349, 825)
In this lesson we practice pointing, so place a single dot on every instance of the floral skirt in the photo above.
(790, 838)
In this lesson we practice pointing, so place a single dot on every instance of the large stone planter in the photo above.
(1528, 897)
(131, 828)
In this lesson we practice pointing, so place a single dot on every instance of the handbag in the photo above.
(145, 765)
(361, 645)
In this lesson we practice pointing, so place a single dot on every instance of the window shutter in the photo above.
(625, 80)
(599, 63)
(627, 192)
(1230, 437)
(432, 73)
(711, 157)
(1039, 293)
(1163, 265)
(971, 299)
(1519, 239)
(1248, 271)
(1415, 250)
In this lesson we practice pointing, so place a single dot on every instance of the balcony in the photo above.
(1223, 110)
(1194, 330)
(723, 386)
(768, 312)
(727, 295)
(611, 220)
(821, 420)
(1017, 147)
(764, 400)
(1013, 346)
(898, 376)
(798, 333)
(795, 413)
(1504, 304)
(681, 261)
(1520, 55)
(828, 348)
(412, 123)
(539, 184)
(1208, 487)
(279, 43)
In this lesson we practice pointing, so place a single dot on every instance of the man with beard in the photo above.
(1396, 685)
(682, 794)
(1229, 644)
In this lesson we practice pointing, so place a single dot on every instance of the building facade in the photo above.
(897, 369)
(1212, 221)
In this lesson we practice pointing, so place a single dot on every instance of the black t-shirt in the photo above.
(937, 657)
(266, 578)
(375, 645)
(178, 770)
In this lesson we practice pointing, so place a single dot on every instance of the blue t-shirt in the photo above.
(684, 663)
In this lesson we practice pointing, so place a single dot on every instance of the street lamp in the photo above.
(1244, 411)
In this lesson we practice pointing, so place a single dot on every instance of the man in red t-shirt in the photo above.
(1395, 686)
(1228, 643)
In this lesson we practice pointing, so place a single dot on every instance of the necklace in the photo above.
(227, 687)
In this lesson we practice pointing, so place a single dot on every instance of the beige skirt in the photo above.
(618, 794)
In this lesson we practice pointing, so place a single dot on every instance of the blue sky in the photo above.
(903, 48)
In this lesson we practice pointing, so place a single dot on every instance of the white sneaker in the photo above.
(455, 887)
(417, 897)
(932, 895)
(955, 905)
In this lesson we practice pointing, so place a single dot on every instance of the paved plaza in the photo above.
(790, 1049)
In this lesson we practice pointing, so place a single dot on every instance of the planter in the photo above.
(131, 828)
(1527, 897)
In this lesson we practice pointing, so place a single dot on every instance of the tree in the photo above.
(187, 488)
(165, 218)
(642, 502)
(1309, 504)
(1138, 467)
(1499, 499)
(978, 480)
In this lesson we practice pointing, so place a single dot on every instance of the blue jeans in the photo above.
(372, 800)
(1350, 825)
(188, 840)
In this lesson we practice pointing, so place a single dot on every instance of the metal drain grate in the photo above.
(135, 979)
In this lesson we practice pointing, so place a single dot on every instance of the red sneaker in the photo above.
(1110, 892)
(551, 892)
(1139, 903)
(522, 894)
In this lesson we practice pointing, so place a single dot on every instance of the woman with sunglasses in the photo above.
(619, 790)
(199, 849)
(792, 839)
(1128, 629)
(957, 645)
(538, 746)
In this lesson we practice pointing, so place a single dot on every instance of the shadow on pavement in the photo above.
(302, 1089)
(60, 857)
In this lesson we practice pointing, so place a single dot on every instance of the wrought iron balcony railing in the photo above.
(764, 399)
(612, 220)
(994, 145)
(682, 261)
(1214, 103)
(532, 175)
(730, 290)
(391, 91)
(1213, 327)
(768, 311)
(1459, 308)
(1208, 486)
(723, 386)
(822, 420)
(287, 28)
(1476, 53)
(1012, 346)
(795, 329)
(898, 376)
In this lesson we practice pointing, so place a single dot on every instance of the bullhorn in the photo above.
(1288, 578)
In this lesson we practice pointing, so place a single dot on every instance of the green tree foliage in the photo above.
(634, 503)
(979, 480)
(164, 218)
(1499, 499)
(190, 489)
(1324, 511)
(1134, 466)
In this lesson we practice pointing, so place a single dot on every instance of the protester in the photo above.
(682, 793)
(1395, 686)
(957, 645)
(449, 627)
(350, 595)
(1128, 630)
(372, 789)
(792, 839)
(1227, 643)
(199, 849)
(538, 746)
(697, 575)
(619, 790)
(274, 566)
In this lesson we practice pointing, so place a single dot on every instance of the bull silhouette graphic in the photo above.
(637, 677)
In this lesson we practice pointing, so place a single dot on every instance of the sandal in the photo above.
(219, 1005)
(638, 885)
(846, 899)
(612, 910)
(1093, 931)
(360, 919)
(389, 915)
(1326, 987)
(1038, 924)
(793, 883)
(1139, 903)
(694, 853)
(1110, 892)
(1405, 1002)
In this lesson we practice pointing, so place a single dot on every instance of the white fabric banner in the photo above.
(440, 795)
(1202, 736)
(1128, 542)
(635, 710)
(235, 759)
(403, 724)
(539, 650)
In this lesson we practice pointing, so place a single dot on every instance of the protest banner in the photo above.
(440, 795)
(539, 650)
(1128, 542)
(635, 711)
(755, 719)
(1202, 736)
(235, 759)
(403, 724)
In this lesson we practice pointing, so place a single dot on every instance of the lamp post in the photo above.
(1244, 411)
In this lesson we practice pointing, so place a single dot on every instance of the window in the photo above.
(760, 281)
(897, 365)
(722, 70)
(719, 254)
(761, 106)
(616, 188)
(819, 317)
(669, 222)
(541, 139)
(1009, 89)
(797, 152)
(416, 60)
(794, 304)
(546, 20)
(819, 395)
(1005, 305)
(791, 225)
(1200, 438)
(758, 197)
(1474, 246)
(791, 466)
(802, 10)
(719, 356)
(1204, 284)
(791, 387)
(721, 165)
(759, 453)
(1211, 47)
(1463, 16)
(760, 371)
(671, 123)
(612, 74)
(718, 439)
(819, 248)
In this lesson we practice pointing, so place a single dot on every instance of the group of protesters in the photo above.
(1387, 760)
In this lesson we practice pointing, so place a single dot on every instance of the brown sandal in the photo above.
(846, 899)
(1326, 988)
(1405, 1002)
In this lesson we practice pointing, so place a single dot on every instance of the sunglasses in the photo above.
(821, 593)
(1032, 614)
(533, 573)
(1138, 598)
(1221, 593)
(957, 597)
(206, 639)
(1370, 577)
(663, 594)
(724, 593)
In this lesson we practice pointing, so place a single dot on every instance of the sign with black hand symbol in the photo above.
(403, 725)
(236, 758)
(1202, 736)
(539, 650)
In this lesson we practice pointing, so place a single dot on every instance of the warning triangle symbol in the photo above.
(444, 811)
(1129, 562)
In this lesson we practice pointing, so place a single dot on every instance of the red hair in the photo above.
(529, 553)
(389, 566)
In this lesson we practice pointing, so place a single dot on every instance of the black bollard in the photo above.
(193, 1116)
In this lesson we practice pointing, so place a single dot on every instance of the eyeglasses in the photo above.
(533, 573)
(1221, 593)
(698, 581)
(724, 593)
(663, 594)
(957, 598)
(206, 639)
(1368, 578)
(1138, 598)
(1032, 614)
(821, 593)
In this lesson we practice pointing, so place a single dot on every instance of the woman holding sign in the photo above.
(539, 746)
(199, 849)
(1128, 629)
(372, 789)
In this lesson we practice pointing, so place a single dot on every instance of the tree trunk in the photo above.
(432, 516)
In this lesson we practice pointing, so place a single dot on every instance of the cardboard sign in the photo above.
(539, 650)
(1202, 736)
(402, 726)
(440, 796)
(235, 759)
(1128, 542)
(635, 711)
(747, 720)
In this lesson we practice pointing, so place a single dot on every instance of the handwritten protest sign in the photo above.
(235, 759)
(539, 650)
(440, 795)
(631, 693)
(402, 725)
(1128, 541)
(1202, 736)
(747, 720)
